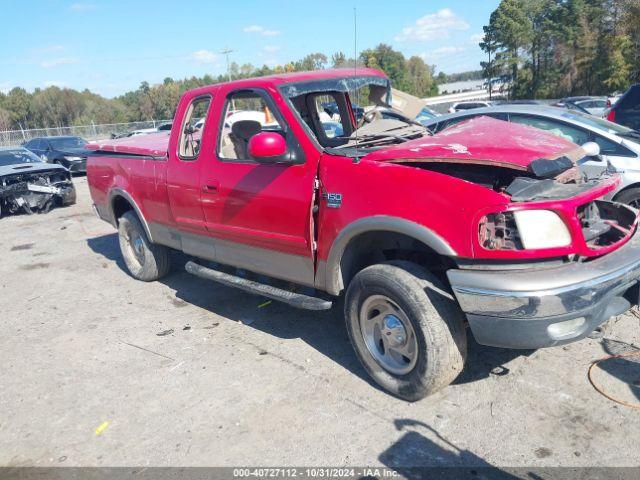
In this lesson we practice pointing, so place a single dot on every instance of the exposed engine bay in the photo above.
(520, 186)
(36, 192)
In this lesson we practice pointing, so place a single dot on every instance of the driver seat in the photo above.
(241, 133)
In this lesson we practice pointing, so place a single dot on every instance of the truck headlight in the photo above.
(541, 229)
(523, 229)
(72, 158)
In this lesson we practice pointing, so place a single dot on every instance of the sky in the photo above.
(110, 47)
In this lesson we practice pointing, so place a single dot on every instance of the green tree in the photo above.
(339, 60)
(390, 62)
(313, 61)
(420, 78)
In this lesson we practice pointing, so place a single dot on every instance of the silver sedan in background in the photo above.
(618, 144)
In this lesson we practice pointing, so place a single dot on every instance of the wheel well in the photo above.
(119, 206)
(628, 187)
(374, 247)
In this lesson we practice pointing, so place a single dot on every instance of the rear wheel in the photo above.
(145, 261)
(406, 329)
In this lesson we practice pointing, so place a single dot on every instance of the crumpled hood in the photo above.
(19, 168)
(482, 140)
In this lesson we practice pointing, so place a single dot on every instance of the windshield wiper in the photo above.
(372, 137)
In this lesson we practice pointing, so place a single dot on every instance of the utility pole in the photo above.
(226, 53)
(490, 73)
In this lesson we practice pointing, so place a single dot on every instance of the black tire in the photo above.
(436, 319)
(149, 262)
(630, 196)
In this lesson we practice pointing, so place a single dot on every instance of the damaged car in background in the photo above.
(29, 185)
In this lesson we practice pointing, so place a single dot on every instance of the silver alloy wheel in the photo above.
(388, 335)
(136, 247)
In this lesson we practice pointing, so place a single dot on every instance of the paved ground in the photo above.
(191, 373)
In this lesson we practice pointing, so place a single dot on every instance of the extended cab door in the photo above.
(187, 150)
(260, 214)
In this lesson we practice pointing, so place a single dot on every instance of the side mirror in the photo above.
(592, 149)
(267, 147)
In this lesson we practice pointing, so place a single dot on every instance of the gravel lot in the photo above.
(98, 369)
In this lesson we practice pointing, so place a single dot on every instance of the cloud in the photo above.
(56, 62)
(5, 88)
(442, 52)
(271, 48)
(261, 30)
(432, 27)
(477, 38)
(203, 57)
(82, 7)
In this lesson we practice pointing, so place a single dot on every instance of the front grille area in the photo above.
(606, 223)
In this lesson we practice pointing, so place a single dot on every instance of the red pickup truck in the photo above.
(488, 223)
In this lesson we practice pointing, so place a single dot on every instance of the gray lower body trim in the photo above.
(293, 268)
(546, 292)
(103, 212)
(539, 308)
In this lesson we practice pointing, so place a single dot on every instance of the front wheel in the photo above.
(630, 196)
(145, 261)
(407, 330)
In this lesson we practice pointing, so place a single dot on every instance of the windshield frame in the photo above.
(342, 84)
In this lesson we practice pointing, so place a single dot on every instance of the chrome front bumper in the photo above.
(533, 308)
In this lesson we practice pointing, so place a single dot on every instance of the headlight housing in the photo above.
(541, 229)
(523, 229)
(72, 158)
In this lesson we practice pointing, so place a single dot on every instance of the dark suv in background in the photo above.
(626, 111)
(67, 151)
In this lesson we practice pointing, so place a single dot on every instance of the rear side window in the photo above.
(192, 127)
(568, 132)
(35, 143)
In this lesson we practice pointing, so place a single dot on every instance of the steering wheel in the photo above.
(372, 115)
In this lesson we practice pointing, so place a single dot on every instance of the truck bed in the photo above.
(153, 145)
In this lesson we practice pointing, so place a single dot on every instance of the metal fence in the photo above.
(12, 138)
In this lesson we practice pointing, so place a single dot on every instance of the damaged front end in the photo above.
(36, 192)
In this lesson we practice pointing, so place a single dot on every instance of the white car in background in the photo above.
(618, 144)
(460, 106)
(199, 124)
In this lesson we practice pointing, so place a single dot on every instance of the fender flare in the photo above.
(118, 192)
(332, 276)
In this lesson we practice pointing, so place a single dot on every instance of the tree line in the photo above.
(54, 106)
(557, 48)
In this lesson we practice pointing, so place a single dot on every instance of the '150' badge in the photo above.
(334, 200)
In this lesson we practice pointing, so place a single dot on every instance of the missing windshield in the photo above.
(350, 113)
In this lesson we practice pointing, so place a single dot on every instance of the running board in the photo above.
(297, 300)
